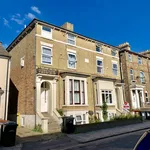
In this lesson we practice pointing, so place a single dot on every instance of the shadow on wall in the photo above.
(13, 102)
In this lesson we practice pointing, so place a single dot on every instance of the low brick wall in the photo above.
(104, 125)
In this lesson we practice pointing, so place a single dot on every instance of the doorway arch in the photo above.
(45, 96)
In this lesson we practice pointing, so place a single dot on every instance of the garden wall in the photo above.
(104, 125)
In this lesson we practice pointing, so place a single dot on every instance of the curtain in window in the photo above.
(99, 66)
(115, 69)
(70, 92)
(76, 91)
(72, 60)
(82, 92)
(46, 55)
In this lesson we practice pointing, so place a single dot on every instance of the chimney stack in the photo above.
(0, 43)
(68, 26)
(125, 45)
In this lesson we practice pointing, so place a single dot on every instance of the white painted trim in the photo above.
(68, 60)
(46, 44)
(71, 51)
(115, 62)
(97, 57)
(90, 50)
(51, 55)
(48, 35)
(67, 90)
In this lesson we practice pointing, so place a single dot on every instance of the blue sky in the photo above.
(111, 21)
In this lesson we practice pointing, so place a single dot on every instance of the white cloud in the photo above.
(36, 9)
(17, 19)
(30, 16)
(5, 45)
(6, 22)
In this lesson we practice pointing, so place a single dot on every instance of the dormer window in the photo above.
(71, 39)
(46, 32)
(113, 52)
(98, 49)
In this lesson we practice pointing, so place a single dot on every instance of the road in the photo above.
(123, 142)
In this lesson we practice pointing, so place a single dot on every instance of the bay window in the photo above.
(107, 96)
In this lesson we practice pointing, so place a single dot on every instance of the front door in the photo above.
(44, 98)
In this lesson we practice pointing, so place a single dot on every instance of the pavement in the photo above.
(72, 140)
(105, 133)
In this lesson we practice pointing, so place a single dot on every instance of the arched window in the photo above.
(142, 77)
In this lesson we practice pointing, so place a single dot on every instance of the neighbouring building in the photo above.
(56, 69)
(5, 60)
(136, 76)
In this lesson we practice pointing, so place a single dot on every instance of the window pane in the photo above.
(72, 60)
(82, 92)
(46, 29)
(76, 85)
(110, 98)
(64, 91)
(70, 92)
(78, 118)
(46, 50)
(77, 98)
(71, 42)
(103, 97)
(71, 36)
(46, 59)
(99, 63)
(100, 69)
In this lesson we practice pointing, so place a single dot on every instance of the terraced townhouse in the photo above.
(5, 61)
(54, 68)
(136, 76)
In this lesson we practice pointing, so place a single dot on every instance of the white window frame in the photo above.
(99, 59)
(43, 46)
(46, 34)
(146, 97)
(139, 60)
(107, 92)
(131, 74)
(67, 91)
(114, 51)
(71, 39)
(100, 48)
(113, 62)
(72, 53)
(142, 79)
(130, 57)
(82, 120)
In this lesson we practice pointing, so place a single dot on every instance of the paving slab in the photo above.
(105, 133)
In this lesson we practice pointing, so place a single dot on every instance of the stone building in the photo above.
(56, 69)
(136, 76)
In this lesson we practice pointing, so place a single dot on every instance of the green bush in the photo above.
(60, 111)
(38, 128)
(125, 117)
(104, 110)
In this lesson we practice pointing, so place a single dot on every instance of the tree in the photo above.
(104, 110)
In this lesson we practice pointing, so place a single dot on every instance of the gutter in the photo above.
(6, 91)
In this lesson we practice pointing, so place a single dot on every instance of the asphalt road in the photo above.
(123, 142)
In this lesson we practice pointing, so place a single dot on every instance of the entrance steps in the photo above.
(53, 125)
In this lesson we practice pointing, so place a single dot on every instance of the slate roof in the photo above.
(3, 51)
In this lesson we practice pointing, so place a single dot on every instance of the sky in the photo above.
(110, 21)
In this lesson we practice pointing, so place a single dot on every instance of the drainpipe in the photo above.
(35, 94)
(6, 91)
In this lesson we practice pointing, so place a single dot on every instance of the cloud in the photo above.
(5, 45)
(6, 22)
(30, 16)
(36, 9)
(17, 19)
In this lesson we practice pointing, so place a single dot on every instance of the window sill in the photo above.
(107, 104)
(99, 52)
(49, 38)
(76, 105)
(71, 44)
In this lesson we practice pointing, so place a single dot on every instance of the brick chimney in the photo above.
(125, 45)
(68, 26)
